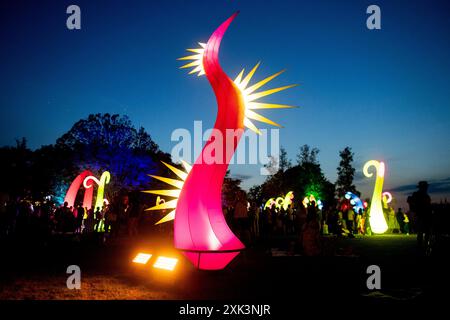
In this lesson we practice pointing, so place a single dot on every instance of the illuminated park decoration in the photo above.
(269, 203)
(86, 179)
(355, 201)
(280, 202)
(161, 204)
(377, 221)
(308, 199)
(72, 192)
(104, 180)
(387, 198)
(200, 229)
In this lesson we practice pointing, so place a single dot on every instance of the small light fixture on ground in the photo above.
(142, 258)
(165, 263)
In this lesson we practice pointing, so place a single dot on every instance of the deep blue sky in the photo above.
(385, 93)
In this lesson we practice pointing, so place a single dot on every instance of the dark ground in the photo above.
(29, 271)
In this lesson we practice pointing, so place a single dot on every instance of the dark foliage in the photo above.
(346, 173)
(304, 178)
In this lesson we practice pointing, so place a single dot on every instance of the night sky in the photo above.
(385, 93)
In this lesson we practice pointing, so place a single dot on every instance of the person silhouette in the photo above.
(420, 204)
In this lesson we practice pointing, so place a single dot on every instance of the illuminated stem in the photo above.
(104, 180)
(377, 221)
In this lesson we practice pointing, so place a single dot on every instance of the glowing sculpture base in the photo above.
(210, 260)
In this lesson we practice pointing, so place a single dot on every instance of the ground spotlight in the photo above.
(142, 258)
(165, 263)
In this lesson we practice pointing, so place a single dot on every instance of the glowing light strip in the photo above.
(142, 258)
(165, 263)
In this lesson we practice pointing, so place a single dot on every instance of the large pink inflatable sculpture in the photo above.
(200, 229)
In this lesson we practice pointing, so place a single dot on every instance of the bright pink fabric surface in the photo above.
(200, 226)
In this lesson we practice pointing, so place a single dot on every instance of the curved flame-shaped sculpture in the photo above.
(387, 198)
(86, 179)
(377, 221)
(75, 186)
(200, 229)
(104, 180)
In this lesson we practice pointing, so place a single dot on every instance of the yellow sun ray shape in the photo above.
(197, 58)
(251, 96)
(248, 92)
(174, 193)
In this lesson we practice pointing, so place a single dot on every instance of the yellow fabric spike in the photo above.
(253, 115)
(191, 64)
(193, 57)
(170, 216)
(186, 166)
(178, 172)
(172, 204)
(175, 193)
(176, 183)
(260, 105)
(262, 82)
(169, 193)
(248, 77)
(251, 126)
(239, 77)
(196, 69)
(196, 50)
(261, 94)
(193, 71)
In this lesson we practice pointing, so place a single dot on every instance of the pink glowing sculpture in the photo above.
(72, 192)
(200, 229)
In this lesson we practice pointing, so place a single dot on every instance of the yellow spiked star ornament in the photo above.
(251, 96)
(173, 193)
(197, 64)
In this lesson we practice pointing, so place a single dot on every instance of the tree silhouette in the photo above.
(285, 163)
(15, 169)
(346, 173)
(230, 189)
(304, 178)
(307, 155)
(105, 142)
